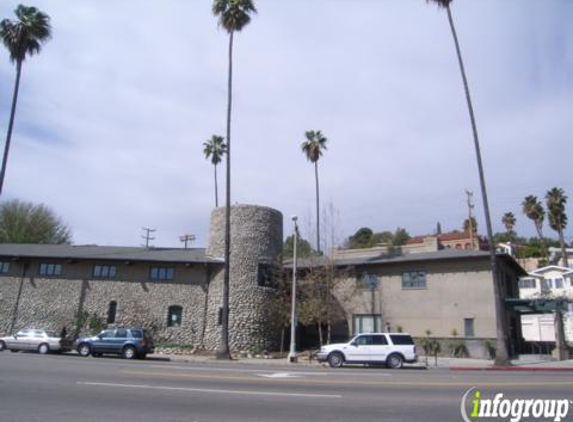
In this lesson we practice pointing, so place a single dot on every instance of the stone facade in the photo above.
(256, 239)
(195, 286)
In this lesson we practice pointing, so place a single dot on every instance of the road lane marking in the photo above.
(208, 390)
(384, 383)
(279, 375)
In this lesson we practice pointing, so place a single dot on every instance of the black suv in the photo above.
(130, 343)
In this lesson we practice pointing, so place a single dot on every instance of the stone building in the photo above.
(175, 292)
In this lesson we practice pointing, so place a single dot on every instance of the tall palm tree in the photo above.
(508, 220)
(214, 148)
(233, 15)
(502, 355)
(313, 146)
(533, 210)
(23, 37)
(556, 200)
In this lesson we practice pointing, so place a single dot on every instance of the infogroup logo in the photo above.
(475, 407)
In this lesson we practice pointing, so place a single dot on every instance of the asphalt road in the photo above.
(70, 388)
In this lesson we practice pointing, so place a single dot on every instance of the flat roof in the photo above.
(444, 254)
(108, 253)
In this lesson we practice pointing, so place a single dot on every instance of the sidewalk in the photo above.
(534, 363)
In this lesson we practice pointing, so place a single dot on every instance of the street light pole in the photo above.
(292, 357)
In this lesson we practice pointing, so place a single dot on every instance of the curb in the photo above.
(514, 368)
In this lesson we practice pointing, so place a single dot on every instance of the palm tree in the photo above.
(533, 210)
(233, 15)
(556, 200)
(313, 146)
(502, 355)
(214, 148)
(508, 220)
(22, 38)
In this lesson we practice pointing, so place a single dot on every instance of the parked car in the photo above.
(391, 349)
(130, 343)
(34, 339)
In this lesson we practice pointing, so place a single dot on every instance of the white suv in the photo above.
(392, 349)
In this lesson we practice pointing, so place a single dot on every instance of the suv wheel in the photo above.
(84, 350)
(335, 359)
(129, 352)
(394, 361)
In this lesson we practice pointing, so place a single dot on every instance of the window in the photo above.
(162, 273)
(111, 310)
(413, 280)
(367, 281)
(367, 323)
(379, 340)
(4, 267)
(469, 327)
(50, 270)
(265, 276)
(546, 284)
(558, 283)
(174, 316)
(121, 333)
(363, 340)
(104, 271)
(402, 339)
(528, 283)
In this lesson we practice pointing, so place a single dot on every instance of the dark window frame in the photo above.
(112, 312)
(177, 312)
(50, 269)
(414, 280)
(4, 267)
(162, 273)
(104, 271)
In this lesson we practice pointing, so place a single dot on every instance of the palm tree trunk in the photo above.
(10, 124)
(502, 356)
(216, 193)
(224, 352)
(317, 208)
(563, 247)
(539, 229)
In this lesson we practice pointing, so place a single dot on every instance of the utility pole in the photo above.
(187, 238)
(471, 206)
(147, 235)
(292, 357)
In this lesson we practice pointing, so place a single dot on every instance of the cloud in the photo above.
(113, 113)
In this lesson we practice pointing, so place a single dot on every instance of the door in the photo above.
(359, 349)
(102, 343)
(380, 348)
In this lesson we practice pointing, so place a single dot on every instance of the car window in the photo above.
(379, 339)
(51, 334)
(401, 339)
(23, 333)
(120, 333)
(363, 340)
(37, 333)
(106, 334)
(136, 334)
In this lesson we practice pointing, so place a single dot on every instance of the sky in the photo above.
(113, 113)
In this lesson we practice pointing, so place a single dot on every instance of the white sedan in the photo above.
(32, 339)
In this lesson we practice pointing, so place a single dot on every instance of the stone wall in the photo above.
(256, 238)
(54, 303)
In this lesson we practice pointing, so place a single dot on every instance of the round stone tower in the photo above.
(256, 243)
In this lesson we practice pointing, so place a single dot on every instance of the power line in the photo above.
(147, 235)
(187, 238)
